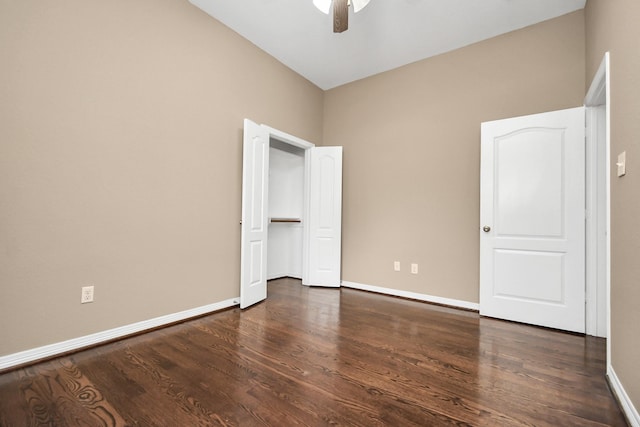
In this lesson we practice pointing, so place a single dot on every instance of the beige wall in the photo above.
(613, 26)
(120, 160)
(411, 141)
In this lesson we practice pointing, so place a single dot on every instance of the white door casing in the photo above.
(255, 187)
(532, 219)
(325, 216)
(598, 203)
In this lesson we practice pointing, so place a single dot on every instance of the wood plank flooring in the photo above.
(315, 357)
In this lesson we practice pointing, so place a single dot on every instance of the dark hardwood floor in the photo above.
(310, 356)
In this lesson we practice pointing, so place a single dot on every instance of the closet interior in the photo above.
(286, 207)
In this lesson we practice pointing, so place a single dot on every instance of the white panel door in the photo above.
(255, 186)
(325, 216)
(532, 219)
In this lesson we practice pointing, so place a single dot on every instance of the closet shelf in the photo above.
(285, 220)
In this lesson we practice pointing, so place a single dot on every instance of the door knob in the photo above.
(486, 229)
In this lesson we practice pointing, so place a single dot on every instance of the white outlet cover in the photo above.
(414, 268)
(86, 295)
(396, 265)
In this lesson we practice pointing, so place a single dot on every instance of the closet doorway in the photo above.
(291, 211)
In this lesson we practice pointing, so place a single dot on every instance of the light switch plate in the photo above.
(622, 163)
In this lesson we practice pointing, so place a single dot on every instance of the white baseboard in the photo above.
(413, 295)
(55, 349)
(626, 404)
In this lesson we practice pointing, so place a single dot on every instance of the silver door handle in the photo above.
(486, 229)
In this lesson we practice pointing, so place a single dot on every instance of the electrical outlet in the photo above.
(87, 294)
(396, 266)
(414, 268)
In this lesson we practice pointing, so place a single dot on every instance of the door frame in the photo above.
(598, 174)
(305, 145)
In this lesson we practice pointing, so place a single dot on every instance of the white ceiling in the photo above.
(384, 35)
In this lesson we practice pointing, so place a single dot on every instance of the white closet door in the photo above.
(325, 216)
(255, 186)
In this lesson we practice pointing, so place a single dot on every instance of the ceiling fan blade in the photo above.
(340, 15)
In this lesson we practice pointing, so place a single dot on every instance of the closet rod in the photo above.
(286, 220)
